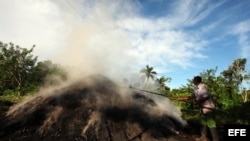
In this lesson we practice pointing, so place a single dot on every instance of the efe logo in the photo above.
(236, 132)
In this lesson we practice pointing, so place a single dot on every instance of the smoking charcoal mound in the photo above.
(93, 109)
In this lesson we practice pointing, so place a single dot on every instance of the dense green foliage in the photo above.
(20, 72)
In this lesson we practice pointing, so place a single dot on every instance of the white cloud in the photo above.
(190, 12)
(242, 30)
(107, 36)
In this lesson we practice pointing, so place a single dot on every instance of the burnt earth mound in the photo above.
(94, 109)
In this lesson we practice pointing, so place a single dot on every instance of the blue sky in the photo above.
(179, 38)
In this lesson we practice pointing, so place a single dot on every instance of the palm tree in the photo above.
(148, 73)
(161, 83)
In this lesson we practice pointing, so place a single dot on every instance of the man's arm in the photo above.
(184, 98)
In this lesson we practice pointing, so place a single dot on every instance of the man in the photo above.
(203, 99)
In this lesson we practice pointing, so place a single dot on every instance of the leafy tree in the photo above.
(209, 77)
(148, 73)
(21, 73)
(234, 76)
(15, 65)
(46, 72)
(246, 91)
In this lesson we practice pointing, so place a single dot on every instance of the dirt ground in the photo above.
(92, 110)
